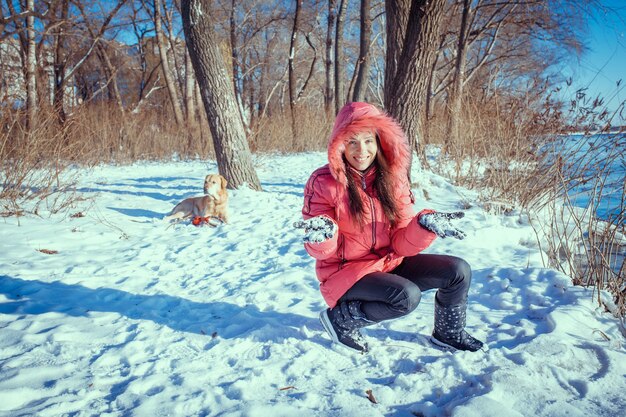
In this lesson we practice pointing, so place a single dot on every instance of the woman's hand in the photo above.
(317, 229)
(439, 223)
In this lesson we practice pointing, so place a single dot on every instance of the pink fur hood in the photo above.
(357, 117)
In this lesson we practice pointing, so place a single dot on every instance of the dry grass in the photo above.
(110, 136)
(516, 155)
(33, 166)
(590, 249)
(273, 133)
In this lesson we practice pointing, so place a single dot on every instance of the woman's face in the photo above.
(361, 150)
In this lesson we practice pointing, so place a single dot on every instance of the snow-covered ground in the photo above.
(132, 318)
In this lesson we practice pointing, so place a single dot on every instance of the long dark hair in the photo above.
(382, 185)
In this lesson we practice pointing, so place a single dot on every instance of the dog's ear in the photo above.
(224, 182)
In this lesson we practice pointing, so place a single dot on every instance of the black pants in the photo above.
(387, 295)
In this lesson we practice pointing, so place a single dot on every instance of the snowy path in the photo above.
(132, 318)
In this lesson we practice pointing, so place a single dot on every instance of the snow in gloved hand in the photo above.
(317, 229)
(439, 223)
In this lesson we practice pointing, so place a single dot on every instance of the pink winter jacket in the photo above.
(377, 247)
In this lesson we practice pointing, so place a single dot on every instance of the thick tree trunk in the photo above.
(360, 87)
(328, 95)
(234, 160)
(405, 96)
(165, 66)
(340, 82)
(397, 15)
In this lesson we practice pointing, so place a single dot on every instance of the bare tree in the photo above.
(31, 66)
(167, 74)
(329, 93)
(417, 24)
(292, 74)
(457, 84)
(190, 87)
(235, 58)
(231, 147)
(109, 70)
(340, 93)
(363, 63)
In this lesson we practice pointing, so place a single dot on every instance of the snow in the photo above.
(135, 318)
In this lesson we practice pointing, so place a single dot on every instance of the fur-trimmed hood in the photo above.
(357, 117)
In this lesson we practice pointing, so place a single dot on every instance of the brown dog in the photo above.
(213, 204)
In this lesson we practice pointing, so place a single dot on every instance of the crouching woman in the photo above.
(361, 228)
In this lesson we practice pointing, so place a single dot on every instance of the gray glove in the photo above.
(317, 229)
(439, 223)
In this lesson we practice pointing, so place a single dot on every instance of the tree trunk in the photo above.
(165, 66)
(405, 96)
(360, 87)
(58, 100)
(328, 96)
(110, 72)
(190, 88)
(397, 14)
(31, 67)
(456, 90)
(340, 94)
(292, 74)
(234, 50)
(234, 160)
(428, 106)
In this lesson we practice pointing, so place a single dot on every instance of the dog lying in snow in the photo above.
(214, 204)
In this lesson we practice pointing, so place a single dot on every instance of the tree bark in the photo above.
(234, 160)
(165, 66)
(397, 14)
(329, 94)
(340, 94)
(405, 95)
(360, 86)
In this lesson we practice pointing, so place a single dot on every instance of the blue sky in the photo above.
(604, 63)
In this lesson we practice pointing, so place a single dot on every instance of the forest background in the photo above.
(483, 82)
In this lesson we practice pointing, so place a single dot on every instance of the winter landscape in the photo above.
(112, 112)
(109, 311)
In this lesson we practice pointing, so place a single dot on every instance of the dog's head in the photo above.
(215, 185)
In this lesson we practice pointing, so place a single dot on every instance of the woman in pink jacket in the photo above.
(361, 228)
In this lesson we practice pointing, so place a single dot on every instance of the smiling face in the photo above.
(361, 150)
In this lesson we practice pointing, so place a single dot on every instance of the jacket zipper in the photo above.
(373, 249)
(364, 185)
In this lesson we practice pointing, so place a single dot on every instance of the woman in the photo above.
(361, 229)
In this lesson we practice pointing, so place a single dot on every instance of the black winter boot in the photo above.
(343, 323)
(450, 328)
